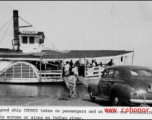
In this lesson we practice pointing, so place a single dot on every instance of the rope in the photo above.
(48, 40)
(37, 30)
(24, 20)
(5, 32)
(52, 45)
(5, 24)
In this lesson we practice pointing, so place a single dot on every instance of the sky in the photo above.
(85, 25)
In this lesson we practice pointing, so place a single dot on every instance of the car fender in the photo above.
(94, 88)
(122, 90)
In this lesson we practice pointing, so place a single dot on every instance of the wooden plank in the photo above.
(89, 76)
(66, 82)
(50, 73)
(83, 81)
(57, 77)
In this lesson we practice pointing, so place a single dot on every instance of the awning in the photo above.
(85, 53)
(51, 54)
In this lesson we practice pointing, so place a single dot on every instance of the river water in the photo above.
(54, 90)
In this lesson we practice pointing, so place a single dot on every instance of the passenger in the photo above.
(96, 64)
(71, 66)
(38, 65)
(63, 70)
(88, 65)
(110, 63)
(93, 63)
(81, 70)
(75, 70)
(71, 63)
(60, 65)
(67, 68)
(42, 66)
(101, 64)
(77, 63)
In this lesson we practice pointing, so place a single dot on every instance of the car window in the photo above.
(110, 73)
(116, 74)
(104, 75)
(141, 72)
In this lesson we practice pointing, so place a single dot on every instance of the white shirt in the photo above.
(75, 70)
(93, 64)
(67, 67)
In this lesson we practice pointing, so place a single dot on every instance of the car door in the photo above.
(106, 83)
(103, 84)
(112, 77)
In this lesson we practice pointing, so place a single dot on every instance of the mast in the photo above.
(16, 29)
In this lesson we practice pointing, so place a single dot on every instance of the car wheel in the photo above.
(91, 97)
(115, 100)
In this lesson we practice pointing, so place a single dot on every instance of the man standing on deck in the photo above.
(67, 68)
(71, 66)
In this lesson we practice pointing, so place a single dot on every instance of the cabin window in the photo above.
(141, 72)
(116, 74)
(31, 40)
(24, 40)
(110, 74)
(104, 75)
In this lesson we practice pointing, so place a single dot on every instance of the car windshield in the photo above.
(141, 72)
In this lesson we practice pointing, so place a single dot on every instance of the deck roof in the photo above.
(51, 54)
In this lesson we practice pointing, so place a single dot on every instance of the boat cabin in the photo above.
(31, 41)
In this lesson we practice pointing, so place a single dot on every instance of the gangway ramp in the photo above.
(81, 86)
(83, 81)
(80, 80)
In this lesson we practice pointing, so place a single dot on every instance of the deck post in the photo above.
(62, 68)
(40, 66)
(84, 67)
(132, 57)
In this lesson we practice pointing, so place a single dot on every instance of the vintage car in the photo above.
(123, 84)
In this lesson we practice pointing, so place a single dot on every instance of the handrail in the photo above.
(94, 72)
(53, 77)
(50, 73)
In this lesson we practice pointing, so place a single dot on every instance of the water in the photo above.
(54, 90)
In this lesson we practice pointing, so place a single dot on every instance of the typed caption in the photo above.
(73, 113)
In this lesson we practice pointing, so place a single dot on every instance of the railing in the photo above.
(51, 74)
(93, 73)
(96, 72)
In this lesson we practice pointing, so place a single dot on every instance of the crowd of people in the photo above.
(95, 64)
(76, 68)
(71, 68)
(51, 65)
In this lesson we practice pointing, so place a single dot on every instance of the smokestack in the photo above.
(16, 28)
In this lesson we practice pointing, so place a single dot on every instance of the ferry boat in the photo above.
(29, 63)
